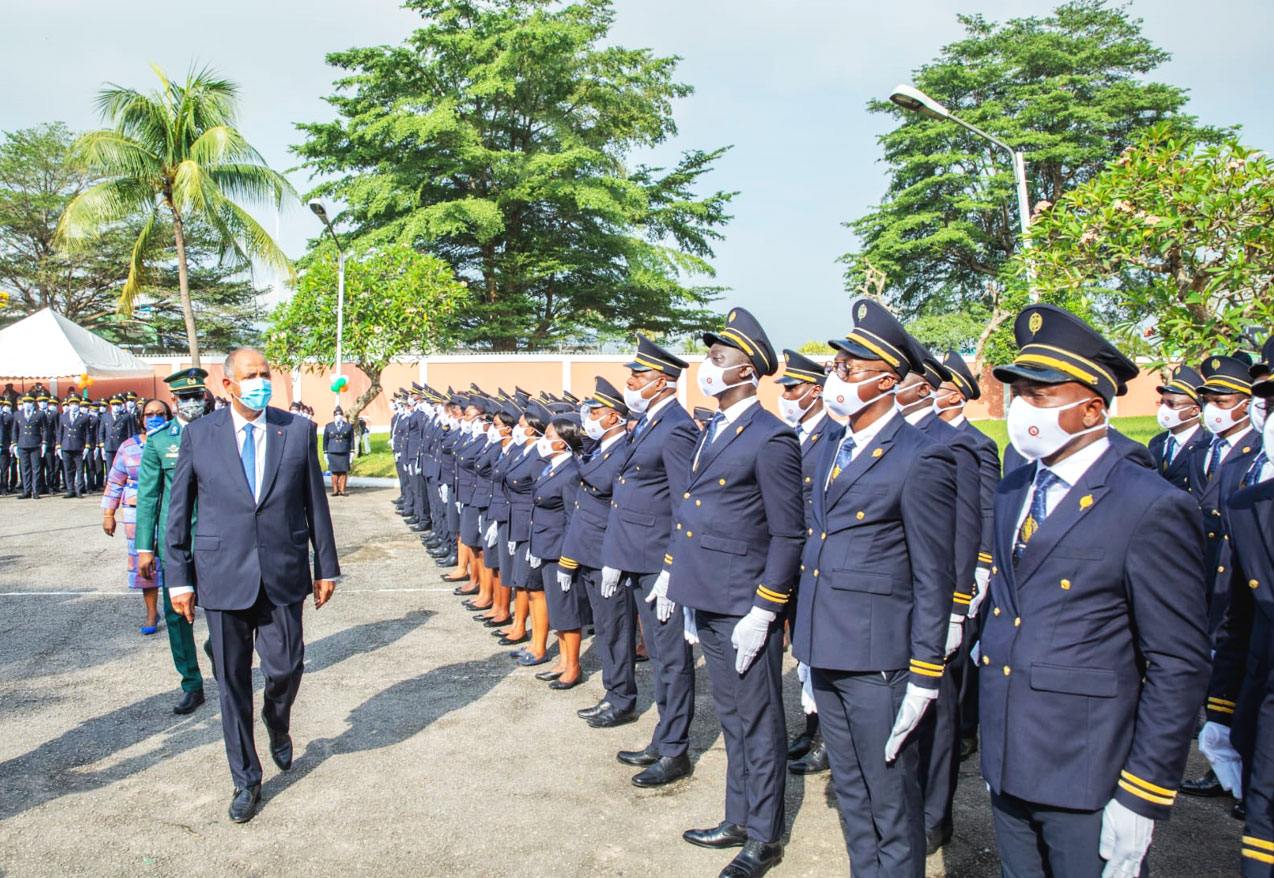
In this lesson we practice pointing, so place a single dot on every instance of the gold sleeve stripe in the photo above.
(1137, 791)
(567, 564)
(1146, 785)
(924, 671)
(1254, 842)
(985, 556)
(927, 665)
(1258, 856)
(667, 559)
(1222, 701)
(771, 595)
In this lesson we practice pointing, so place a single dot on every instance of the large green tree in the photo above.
(498, 137)
(1070, 89)
(170, 157)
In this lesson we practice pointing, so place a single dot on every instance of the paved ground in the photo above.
(421, 749)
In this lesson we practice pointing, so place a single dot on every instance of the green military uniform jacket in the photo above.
(154, 485)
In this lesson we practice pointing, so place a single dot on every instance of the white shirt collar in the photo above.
(1237, 439)
(805, 428)
(957, 421)
(607, 443)
(1185, 436)
(240, 421)
(654, 409)
(917, 416)
(863, 437)
(734, 412)
(1072, 469)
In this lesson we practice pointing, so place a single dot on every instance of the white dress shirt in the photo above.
(861, 439)
(1068, 472)
(805, 429)
(731, 414)
(1234, 441)
(260, 438)
(1181, 439)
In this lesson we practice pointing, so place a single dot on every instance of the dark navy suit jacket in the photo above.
(1094, 653)
(240, 545)
(989, 465)
(739, 525)
(655, 469)
(968, 535)
(587, 529)
(809, 460)
(551, 510)
(878, 571)
(519, 483)
(1177, 472)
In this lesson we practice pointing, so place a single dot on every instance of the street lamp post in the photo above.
(914, 100)
(321, 212)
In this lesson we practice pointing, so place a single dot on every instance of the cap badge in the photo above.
(862, 311)
(730, 319)
(1035, 322)
(1216, 364)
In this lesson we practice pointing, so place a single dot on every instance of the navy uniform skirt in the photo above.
(568, 611)
(501, 552)
(523, 576)
(338, 462)
(469, 527)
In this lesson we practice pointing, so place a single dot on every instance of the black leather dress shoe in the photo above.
(1239, 811)
(280, 748)
(188, 702)
(417, 527)
(756, 858)
(610, 718)
(449, 561)
(546, 676)
(590, 712)
(560, 685)
(514, 641)
(496, 623)
(431, 542)
(440, 552)
(799, 747)
(1207, 786)
(727, 835)
(410, 519)
(813, 762)
(243, 807)
(665, 771)
(642, 758)
(968, 746)
(935, 839)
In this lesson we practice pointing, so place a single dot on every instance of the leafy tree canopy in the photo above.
(497, 137)
(1068, 89)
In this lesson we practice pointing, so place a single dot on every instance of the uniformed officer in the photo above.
(6, 442)
(875, 596)
(1238, 737)
(51, 464)
(1215, 470)
(801, 407)
(939, 731)
(74, 443)
(1094, 651)
(28, 446)
(117, 426)
(614, 618)
(154, 485)
(1178, 415)
(338, 444)
(651, 479)
(731, 564)
(93, 460)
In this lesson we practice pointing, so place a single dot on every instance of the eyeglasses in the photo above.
(841, 369)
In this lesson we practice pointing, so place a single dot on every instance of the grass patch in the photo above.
(1141, 429)
(379, 464)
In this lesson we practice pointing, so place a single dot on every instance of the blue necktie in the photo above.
(640, 428)
(1254, 474)
(548, 468)
(717, 420)
(249, 456)
(1170, 451)
(1214, 459)
(1044, 479)
(843, 457)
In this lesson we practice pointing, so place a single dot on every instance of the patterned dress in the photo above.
(121, 491)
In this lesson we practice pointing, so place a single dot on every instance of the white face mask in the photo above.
(938, 408)
(1169, 418)
(73, 409)
(841, 397)
(791, 410)
(1257, 410)
(1267, 433)
(519, 435)
(711, 379)
(1218, 420)
(544, 445)
(1036, 432)
(638, 403)
(593, 427)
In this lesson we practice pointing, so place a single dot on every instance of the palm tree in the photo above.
(176, 149)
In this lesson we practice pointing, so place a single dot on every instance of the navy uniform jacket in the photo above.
(431, 448)
(338, 439)
(989, 464)
(28, 432)
(877, 574)
(74, 435)
(484, 489)
(739, 525)
(6, 431)
(412, 430)
(809, 460)
(968, 533)
(49, 427)
(1130, 448)
(519, 483)
(654, 471)
(587, 530)
(551, 510)
(447, 460)
(1177, 472)
(122, 428)
(240, 545)
(1094, 653)
(498, 510)
(467, 454)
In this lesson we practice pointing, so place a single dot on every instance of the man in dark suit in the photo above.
(801, 406)
(1094, 651)
(254, 475)
(74, 443)
(1182, 433)
(638, 532)
(732, 563)
(28, 446)
(50, 470)
(6, 441)
(875, 597)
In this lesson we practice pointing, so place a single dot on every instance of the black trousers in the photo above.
(1039, 841)
(881, 807)
(615, 638)
(671, 664)
(420, 500)
(276, 632)
(4, 468)
(73, 471)
(52, 469)
(939, 739)
(750, 707)
(30, 462)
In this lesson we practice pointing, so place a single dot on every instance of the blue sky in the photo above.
(785, 81)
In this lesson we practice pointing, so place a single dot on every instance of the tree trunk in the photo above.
(183, 283)
(367, 396)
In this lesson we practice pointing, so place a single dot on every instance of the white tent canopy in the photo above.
(46, 345)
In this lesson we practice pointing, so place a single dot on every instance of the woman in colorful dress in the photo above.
(121, 493)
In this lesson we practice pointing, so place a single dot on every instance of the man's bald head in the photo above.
(244, 363)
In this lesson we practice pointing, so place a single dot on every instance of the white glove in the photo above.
(532, 560)
(610, 582)
(914, 705)
(1125, 838)
(1214, 743)
(564, 581)
(975, 653)
(513, 547)
(955, 633)
(13, 449)
(691, 629)
(807, 688)
(982, 579)
(85, 453)
(749, 636)
(442, 492)
(44, 448)
(492, 532)
(659, 594)
(458, 505)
